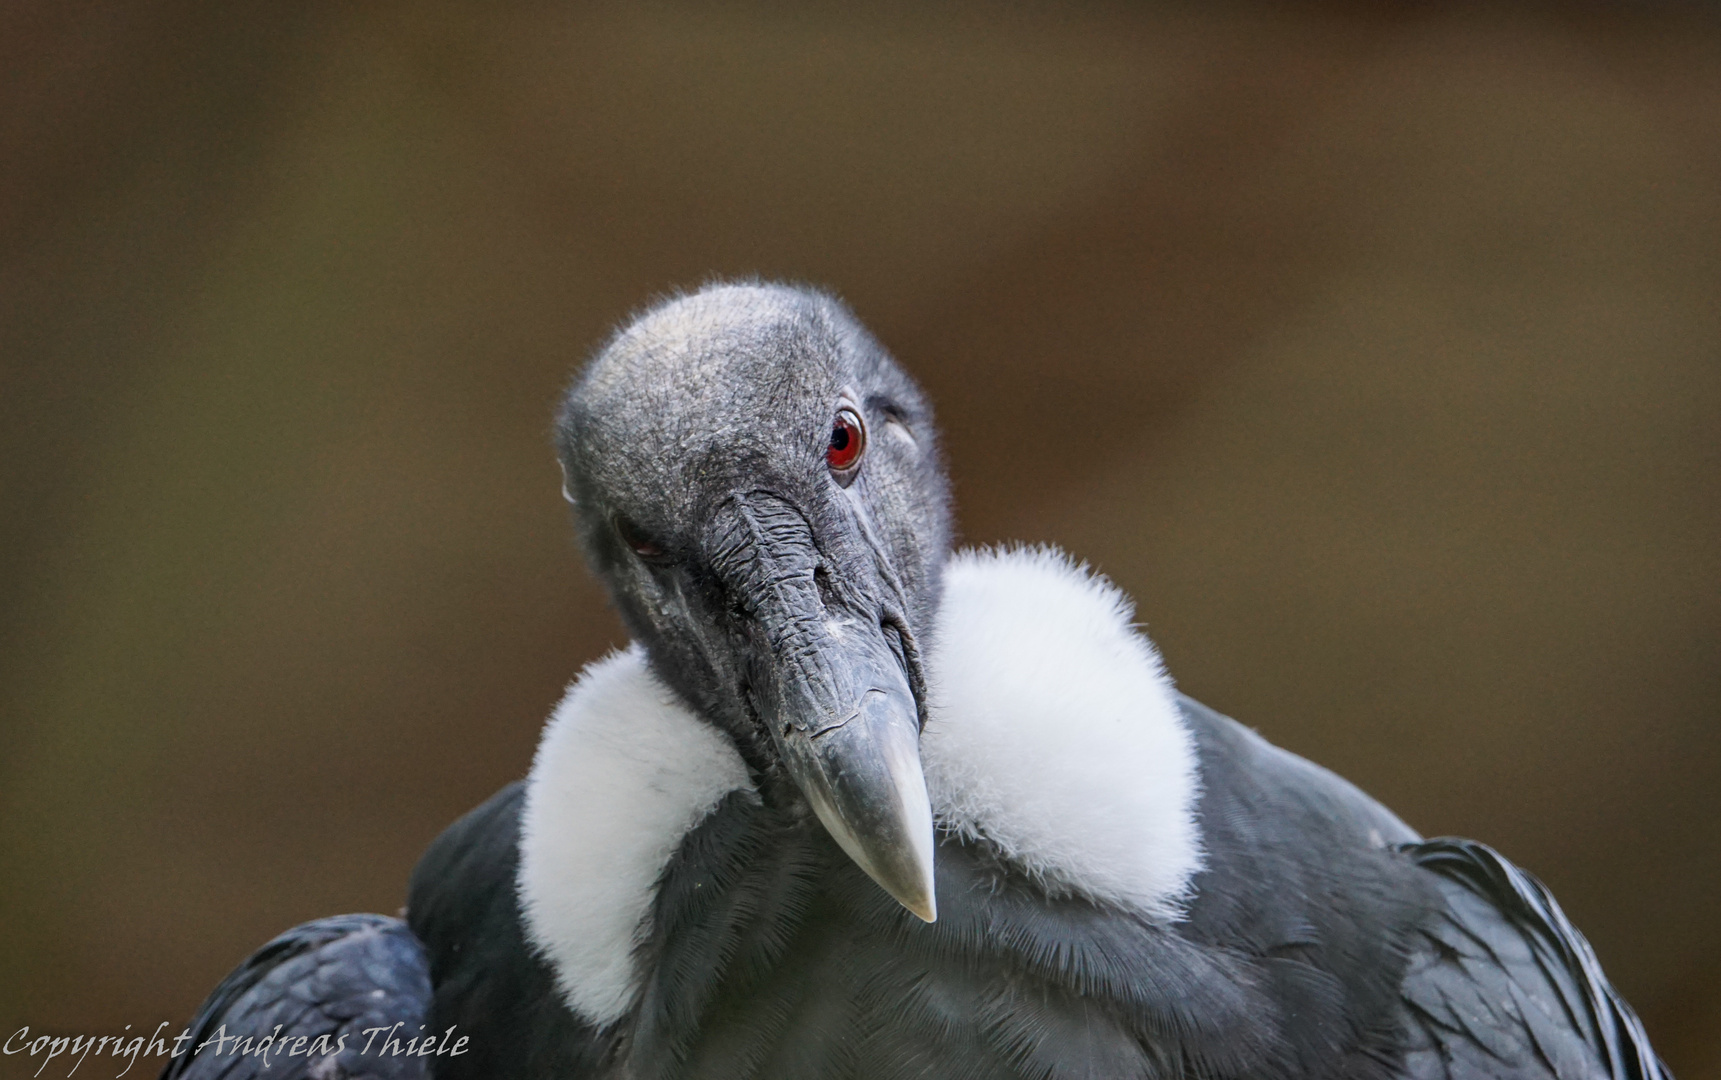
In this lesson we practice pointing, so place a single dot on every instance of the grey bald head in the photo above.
(758, 484)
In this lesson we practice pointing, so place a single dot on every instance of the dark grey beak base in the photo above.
(863, 779)
(834, 693)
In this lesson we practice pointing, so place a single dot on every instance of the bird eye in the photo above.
(631, 535)
(848, 440)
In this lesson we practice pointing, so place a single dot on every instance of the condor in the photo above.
(853, 805)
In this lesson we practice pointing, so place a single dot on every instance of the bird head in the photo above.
(758, 484)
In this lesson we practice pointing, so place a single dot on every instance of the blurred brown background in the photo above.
(1374, 349)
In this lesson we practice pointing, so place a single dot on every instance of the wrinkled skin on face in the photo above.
(785, 601)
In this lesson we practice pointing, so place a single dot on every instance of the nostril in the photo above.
(822, 582)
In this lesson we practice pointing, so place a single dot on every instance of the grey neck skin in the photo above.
(783, 599)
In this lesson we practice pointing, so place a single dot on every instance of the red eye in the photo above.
(848, 439)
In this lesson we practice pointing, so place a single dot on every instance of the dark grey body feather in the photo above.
(1323, 941)
(1318, 945)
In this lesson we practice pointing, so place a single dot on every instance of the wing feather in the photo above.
(1504, 985)
(313, 993)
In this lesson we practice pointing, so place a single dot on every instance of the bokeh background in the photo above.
(1372, 347)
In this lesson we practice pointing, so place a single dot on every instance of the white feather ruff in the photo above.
(623, 772)
(1053, 734)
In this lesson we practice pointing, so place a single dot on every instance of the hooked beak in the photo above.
(861, 773)
(836, 696)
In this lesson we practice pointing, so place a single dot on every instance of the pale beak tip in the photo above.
(920, 896)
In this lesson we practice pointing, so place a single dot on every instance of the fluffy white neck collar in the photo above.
(1053, 734)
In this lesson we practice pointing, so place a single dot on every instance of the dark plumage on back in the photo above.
(853, 807)
(312, 993)
(463, 905)
(1505, 985)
